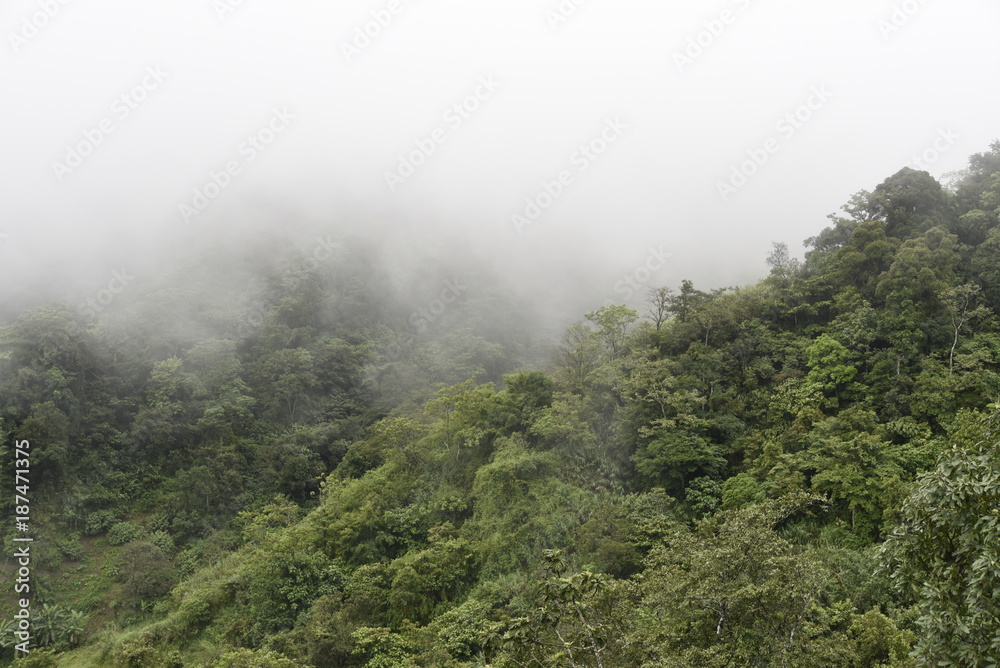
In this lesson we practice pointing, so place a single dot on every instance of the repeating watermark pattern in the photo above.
(582, 159)
(224, 7)
(562, 13)
(324, 250)
(247, 152)
(711, 31)
(634, 280)
(31, 26)
(421, 318)
(121, 108)
(391, 352)
(946, 138)
(403, 342)
(22, 553)
(96, 304)
(366, 33)
(454, 117)
(901, 15)
(786, 127)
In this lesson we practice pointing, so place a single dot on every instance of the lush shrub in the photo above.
(145, 571)
(162, 540)
(195, 612)
(71, 548)
(286, 582)
(245, 658)
(38, 659)
(124, 532)
(143, 652)
(157, 522)
(99, 521)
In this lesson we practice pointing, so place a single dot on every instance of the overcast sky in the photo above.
(136, 126)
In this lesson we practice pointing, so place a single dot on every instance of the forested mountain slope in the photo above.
(325, 466)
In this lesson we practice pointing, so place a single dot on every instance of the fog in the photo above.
(566, 144)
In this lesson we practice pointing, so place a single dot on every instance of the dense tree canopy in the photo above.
(799, 472)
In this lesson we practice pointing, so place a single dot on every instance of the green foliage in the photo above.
(673, 446)
(566, 628)
(145, 572)
(71, 548)
(732, 592)
(880, 643)
(380, 647)
(53, 627)
(258, 525)
(828, 364)
(245, 658)
(612, 326)
(38, 659)
(425, 582)
(740, 490)
(909, 202)
(521, 507)
(141, 651)
(328, 482)
(460, 631)
(704, 495)
(577, 357)
(462, 416)
(162, 540)
(525, 395)
(100, 521)
(944, 554)
(288, 577)
(124, 532)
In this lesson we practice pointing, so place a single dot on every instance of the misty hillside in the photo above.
(302, 450)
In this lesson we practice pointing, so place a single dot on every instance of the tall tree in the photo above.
(658, 305)
(612, 326)
(683, 304)
(960, 303)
